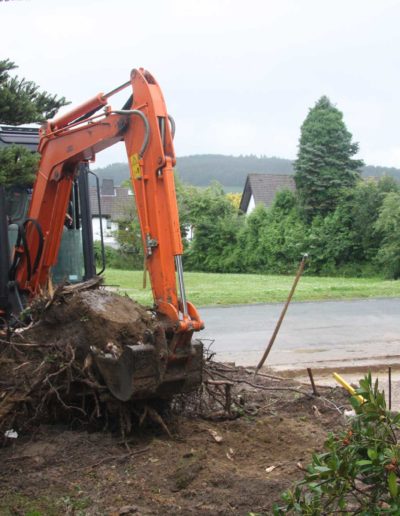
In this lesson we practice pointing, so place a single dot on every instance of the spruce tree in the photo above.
(21, 102)
(324, 164)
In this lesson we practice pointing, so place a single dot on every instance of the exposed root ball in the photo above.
(46, 371)
(94, 318)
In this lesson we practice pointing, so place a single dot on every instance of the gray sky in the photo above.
(238, 76)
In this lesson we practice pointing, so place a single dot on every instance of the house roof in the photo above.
(117, 206)
(264, 187)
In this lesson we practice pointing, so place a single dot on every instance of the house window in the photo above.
(108, 224)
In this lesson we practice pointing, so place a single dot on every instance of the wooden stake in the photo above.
(316, 393)
(278, 324)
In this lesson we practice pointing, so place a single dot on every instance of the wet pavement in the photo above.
(314, 334)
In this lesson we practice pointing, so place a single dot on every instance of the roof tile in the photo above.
(264, 187)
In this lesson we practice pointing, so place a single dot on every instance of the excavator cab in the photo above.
(70, 263)
(75, 262)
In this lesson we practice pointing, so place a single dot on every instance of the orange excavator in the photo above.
(67, 144)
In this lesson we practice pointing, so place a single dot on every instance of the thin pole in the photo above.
(278, 325)
(316, 393)
(116, 90)
(390, 387)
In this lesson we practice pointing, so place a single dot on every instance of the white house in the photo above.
(117, 203)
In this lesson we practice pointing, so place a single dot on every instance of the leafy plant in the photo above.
(388, 226)
(358, 473)
(18, 166)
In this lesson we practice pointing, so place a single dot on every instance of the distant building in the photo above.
(116, 204)
(262, 188)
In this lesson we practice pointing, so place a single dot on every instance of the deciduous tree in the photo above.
(388, 226)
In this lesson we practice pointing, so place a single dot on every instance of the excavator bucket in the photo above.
(123, 344)
(138, 373)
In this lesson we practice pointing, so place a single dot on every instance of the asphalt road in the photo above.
(317, 334)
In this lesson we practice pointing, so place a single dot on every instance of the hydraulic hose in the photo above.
(21, 238)
(146, 126)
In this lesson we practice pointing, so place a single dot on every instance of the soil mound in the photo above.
(47, 370)
(94, 318)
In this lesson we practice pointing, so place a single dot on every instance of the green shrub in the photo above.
(388, 226)
(358, 473)
(118, 258)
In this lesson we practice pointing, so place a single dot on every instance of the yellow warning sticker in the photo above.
(135, 164)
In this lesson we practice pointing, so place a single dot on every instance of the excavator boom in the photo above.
(75, 138)
(146, 130)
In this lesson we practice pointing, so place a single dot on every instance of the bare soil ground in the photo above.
(57, 470)
(220, 450)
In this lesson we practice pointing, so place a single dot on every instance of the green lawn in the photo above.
(205, 289)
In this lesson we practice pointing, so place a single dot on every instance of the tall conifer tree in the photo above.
(325, 164)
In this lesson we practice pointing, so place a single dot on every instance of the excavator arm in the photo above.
(77, 136)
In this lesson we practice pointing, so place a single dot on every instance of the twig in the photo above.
(331, 403)
(264, 375)
(67, 407)
(219, 382)
(117, 457)
(226, 368)
(262, 387)
(21, 365)
(28, 344)
(155, 416)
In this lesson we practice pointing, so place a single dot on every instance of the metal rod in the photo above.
(86, 222)
(173, 126)
(116, 90)
(390, 387)
(103, 252)
(144, 272)
(179, 270)
(278, 325)
(316, 393)
(75, 205)
(161, 123)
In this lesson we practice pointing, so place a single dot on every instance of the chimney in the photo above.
(107, 187)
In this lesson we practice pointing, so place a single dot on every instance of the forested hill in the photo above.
(230, 171)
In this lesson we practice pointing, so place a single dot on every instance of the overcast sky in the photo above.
(238, 76)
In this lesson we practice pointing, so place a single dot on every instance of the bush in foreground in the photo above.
(359, 471)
